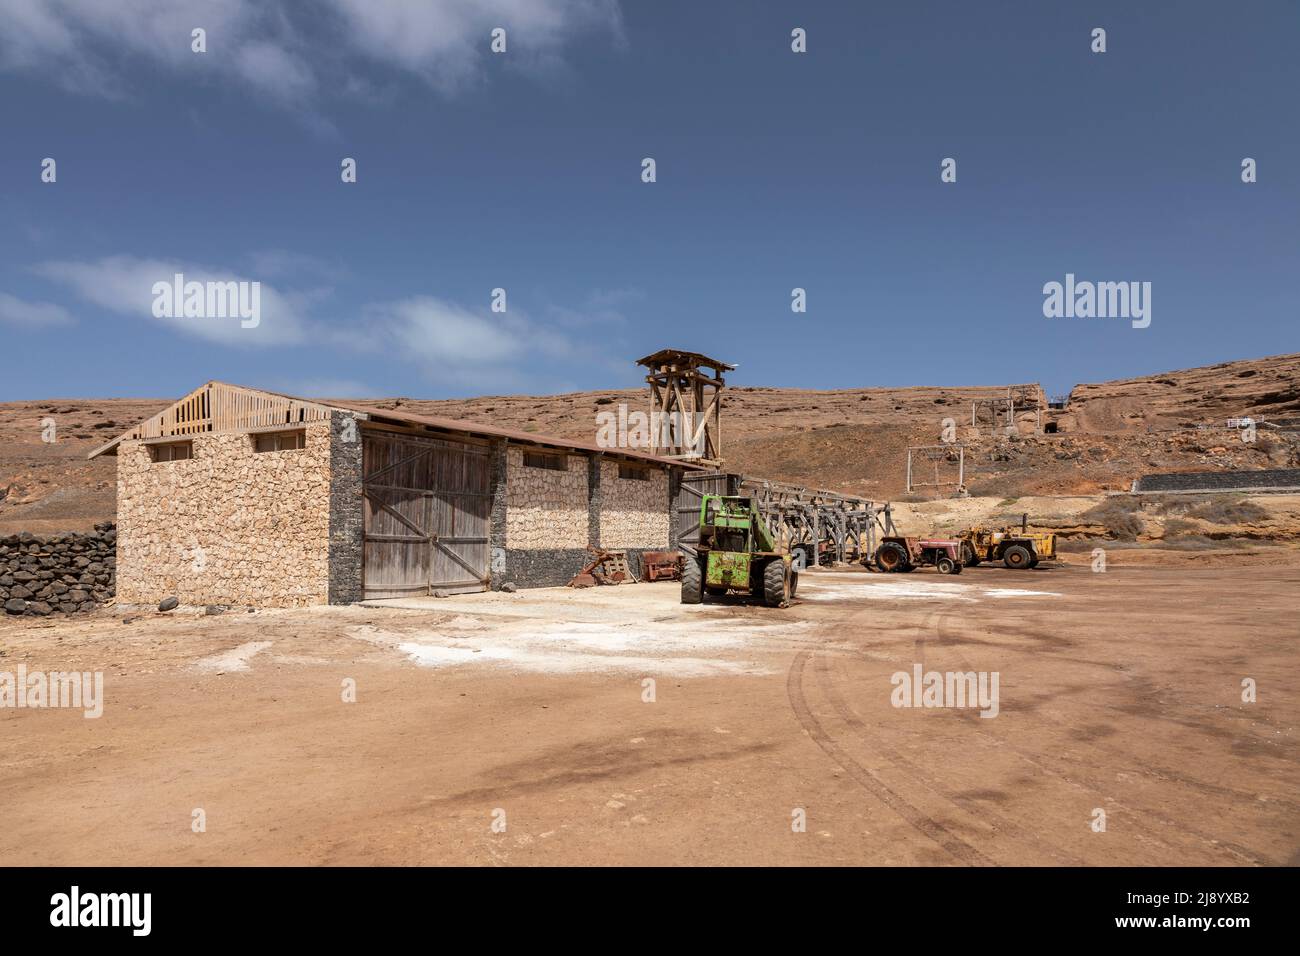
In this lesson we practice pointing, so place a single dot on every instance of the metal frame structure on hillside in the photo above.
(1019, 399)
(936, 454)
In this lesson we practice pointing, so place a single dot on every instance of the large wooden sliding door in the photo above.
(428, 506)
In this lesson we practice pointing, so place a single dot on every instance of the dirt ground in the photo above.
(1118, 691)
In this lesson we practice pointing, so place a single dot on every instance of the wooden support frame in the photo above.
(689, 401)
(217, 407)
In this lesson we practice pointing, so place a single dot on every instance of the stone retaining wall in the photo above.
(57, 573)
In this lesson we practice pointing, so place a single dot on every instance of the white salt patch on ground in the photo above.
(550, 662)
(900, 587)
(690, 641)
(235, 659)
(1017, 592)
(883, 589)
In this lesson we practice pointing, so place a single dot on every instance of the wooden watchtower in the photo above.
(686, 405)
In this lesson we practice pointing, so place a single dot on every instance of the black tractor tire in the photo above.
(1017, 558)
(892, 557)
(945, 564)
(692, 579)
(776, 583)
(968, 556)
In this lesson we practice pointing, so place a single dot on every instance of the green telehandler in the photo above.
(736, 553)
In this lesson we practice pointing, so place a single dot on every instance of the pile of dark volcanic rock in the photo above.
(57, 573)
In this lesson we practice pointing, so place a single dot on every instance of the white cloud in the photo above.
(283, 76)
(288, 53)
(446, 41)
(16, 311)
(453, 343)
(85, 45)
(124, 285)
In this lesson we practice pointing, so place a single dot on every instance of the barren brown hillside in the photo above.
(853, 440)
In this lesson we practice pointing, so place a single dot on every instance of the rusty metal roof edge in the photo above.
(529, 438)
(431, 421)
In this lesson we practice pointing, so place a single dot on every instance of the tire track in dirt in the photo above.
(1162, 773)
(1037, 760)
(933, 623)
(867, 778)
(974, 807)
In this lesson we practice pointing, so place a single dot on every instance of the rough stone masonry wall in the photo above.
(347, 520)
(57, 573)
(229, 526)
(633, 514)
(546, 508)
(546, 521)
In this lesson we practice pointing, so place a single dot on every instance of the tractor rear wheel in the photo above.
(692, 580)
(968, 556)
(891, 556)
(1017, 558)
(776, 583)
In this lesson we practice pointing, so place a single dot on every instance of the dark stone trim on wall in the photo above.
(553, 568)
(544, 568)
(499, 566)
(595, 498)
(347, 522)
(674, 489)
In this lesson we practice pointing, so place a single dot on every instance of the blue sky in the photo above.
(522, 171)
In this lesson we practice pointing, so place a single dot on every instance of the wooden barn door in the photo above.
(427, 512)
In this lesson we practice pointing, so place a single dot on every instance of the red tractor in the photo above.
(900, 554)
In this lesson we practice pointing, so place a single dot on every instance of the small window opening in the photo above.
(540, 459)
(280, 441)
(172, 451)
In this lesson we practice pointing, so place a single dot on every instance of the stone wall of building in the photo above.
(633, 514)
(229, 526)
(545, 508)
(546, 522)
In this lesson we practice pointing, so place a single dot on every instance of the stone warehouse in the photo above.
(239, 496)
